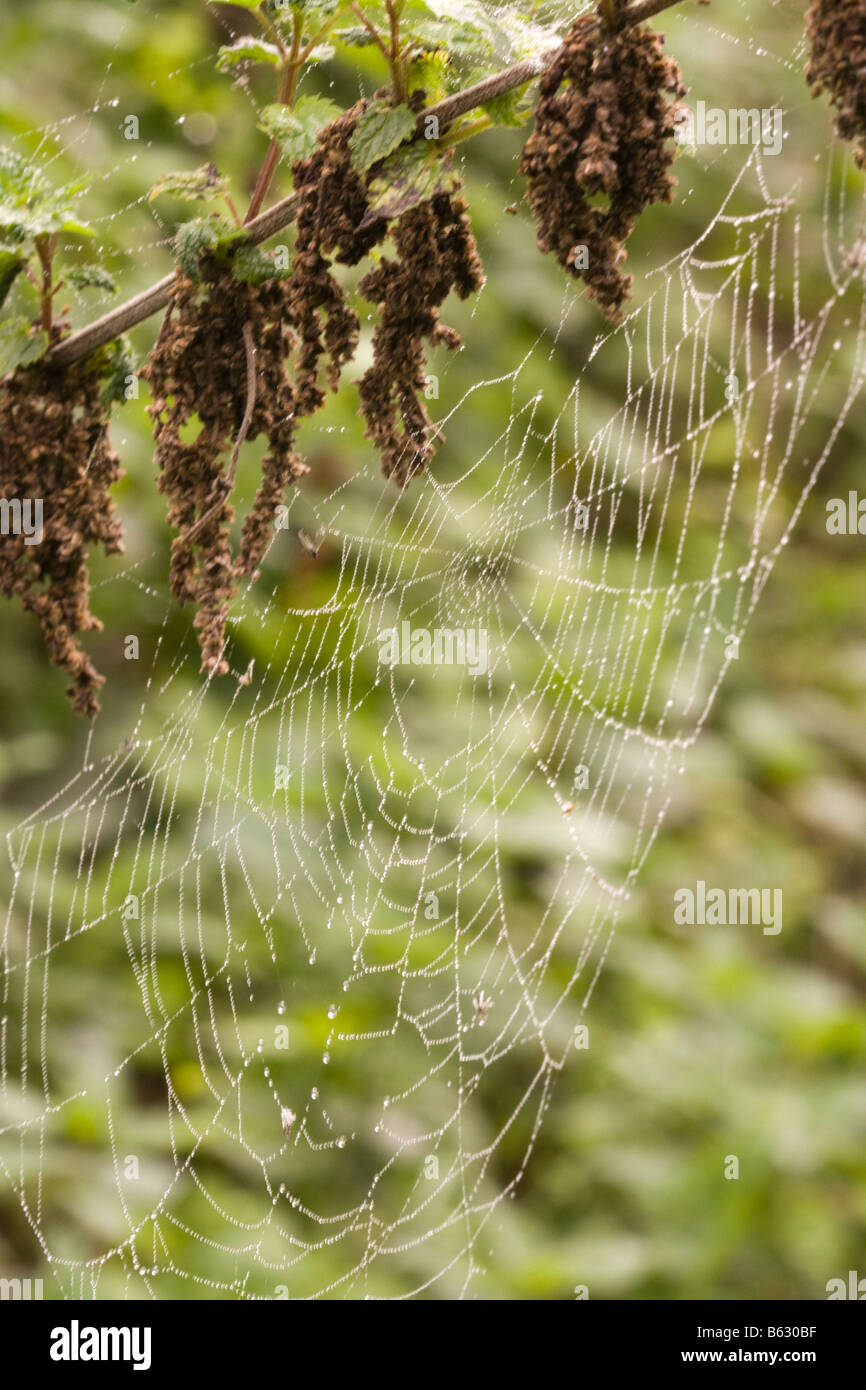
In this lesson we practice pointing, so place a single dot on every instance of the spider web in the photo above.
(395, 938)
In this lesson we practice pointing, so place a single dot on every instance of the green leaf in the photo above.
(297, 128)
(246, 50)
(322, 53)
(252, 266)
(13, 225)
(457, 37)
(355, 38)
(193, 239)
(407, 178)
(471, 30)
(514, 37)
(72, 226)
(115, 363)
(11, 266)
(29, 206)
(87, 277)
(428, 74)
(19, 344)
(379, 131)
(19, 181)
(206, 183)
(23, 223)
(509, 109)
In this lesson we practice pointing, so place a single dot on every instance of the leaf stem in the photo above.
(45, 246)
(371, 30)
(230, 204)
(464, 132)
(287, 81)
(271, 30)
(316, 39)
(395, 59)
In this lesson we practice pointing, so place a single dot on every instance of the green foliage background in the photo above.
(702, 1045)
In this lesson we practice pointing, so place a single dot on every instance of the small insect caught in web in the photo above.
(483, 1005)
(287, 1119)
(246, 678)
(312, 547)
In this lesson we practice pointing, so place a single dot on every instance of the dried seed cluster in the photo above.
(54, 448)
(222, 365)
(836, 31)
(333, 203)
(218, 367)
(600, 152)
(436, 253)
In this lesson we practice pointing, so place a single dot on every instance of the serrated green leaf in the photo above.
(50, 223)
(297, 128)
(428, 74)
(469, 29)
(515, 37)
(19, 345)
(204, 184)
(23, 223)
(246, 50)
(380, 129)
(252, 266)
(193, 239)
(458, 37)
(90, 277)
(510, 109)
(407, 178)
(18, 178)
(29, 206)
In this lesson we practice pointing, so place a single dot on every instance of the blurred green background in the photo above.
(702, 1045)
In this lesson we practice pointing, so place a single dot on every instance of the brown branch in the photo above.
(276, 218)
